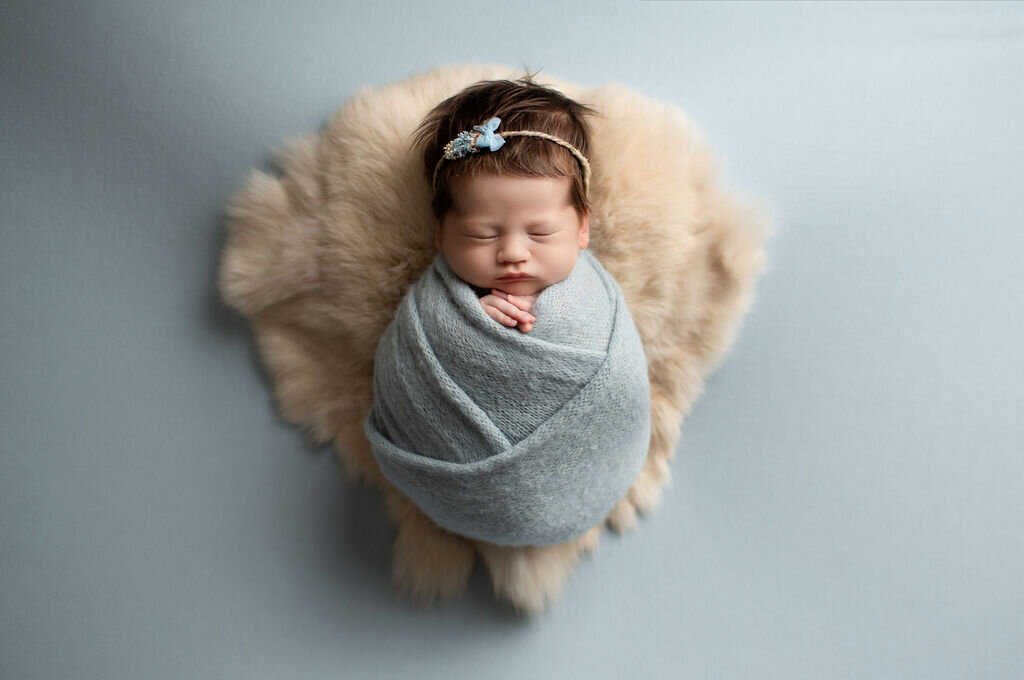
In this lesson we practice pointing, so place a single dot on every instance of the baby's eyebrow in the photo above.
(478, 219)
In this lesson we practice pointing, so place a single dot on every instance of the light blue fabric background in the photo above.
(847, 498)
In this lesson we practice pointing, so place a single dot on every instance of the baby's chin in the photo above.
(525, 287)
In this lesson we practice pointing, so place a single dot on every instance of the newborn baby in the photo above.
(497, 435)
(509, 222)
(511, 237)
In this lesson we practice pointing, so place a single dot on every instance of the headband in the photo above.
(483, 137)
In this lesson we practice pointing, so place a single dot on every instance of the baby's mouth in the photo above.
(514, 277)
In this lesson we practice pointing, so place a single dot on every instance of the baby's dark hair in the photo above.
(521, 104)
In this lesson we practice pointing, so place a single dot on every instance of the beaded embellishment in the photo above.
(464, 144)
(467, 142)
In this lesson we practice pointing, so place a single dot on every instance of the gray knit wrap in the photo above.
(509, 437)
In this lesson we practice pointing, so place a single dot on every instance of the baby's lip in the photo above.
(514, 277)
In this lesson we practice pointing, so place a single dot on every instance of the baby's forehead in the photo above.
(539, 194)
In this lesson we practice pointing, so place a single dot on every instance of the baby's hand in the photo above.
(510, 310)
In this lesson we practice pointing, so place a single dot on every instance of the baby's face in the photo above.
(516, 234)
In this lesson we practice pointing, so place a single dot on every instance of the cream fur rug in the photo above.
(319, 258)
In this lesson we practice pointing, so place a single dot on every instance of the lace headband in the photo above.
(483, 137)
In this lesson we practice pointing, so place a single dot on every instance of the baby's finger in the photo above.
(513, 311)
(517, 301)
(526, 327)
(499, 316)
(523, 302)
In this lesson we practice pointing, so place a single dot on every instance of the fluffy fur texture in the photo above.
(319, 258)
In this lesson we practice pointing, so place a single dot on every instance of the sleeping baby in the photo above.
(510, 223)
(497, 435)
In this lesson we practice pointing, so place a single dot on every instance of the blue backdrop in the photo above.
(847, 494)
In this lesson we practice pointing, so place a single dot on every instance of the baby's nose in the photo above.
(513, 249)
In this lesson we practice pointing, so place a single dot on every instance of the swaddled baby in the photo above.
(511, 399)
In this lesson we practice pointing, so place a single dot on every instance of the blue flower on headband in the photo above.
(487, 138)
(460, 146)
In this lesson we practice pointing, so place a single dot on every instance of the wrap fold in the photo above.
(509, 437)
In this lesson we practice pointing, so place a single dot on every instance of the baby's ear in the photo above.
(585, 230)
